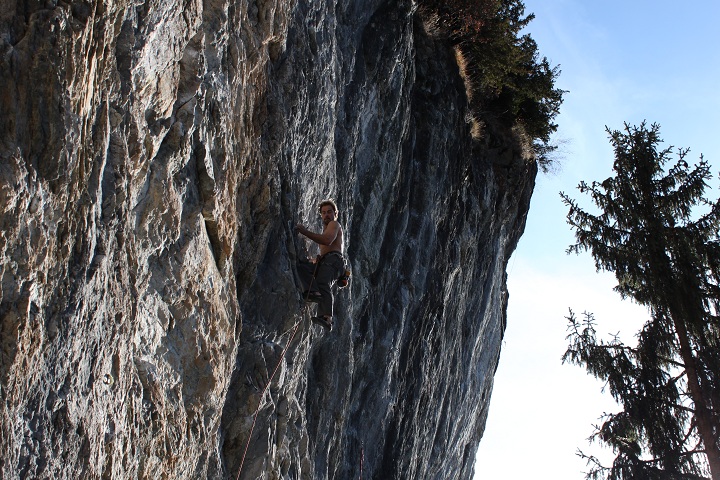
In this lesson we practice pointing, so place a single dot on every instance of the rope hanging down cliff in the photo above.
(343, 281)
(318, 279)
(267, 386)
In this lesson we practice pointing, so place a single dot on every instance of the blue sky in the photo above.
(621, 62)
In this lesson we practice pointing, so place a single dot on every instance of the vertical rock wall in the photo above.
(153, 159)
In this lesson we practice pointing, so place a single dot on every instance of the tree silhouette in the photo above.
(666, 256)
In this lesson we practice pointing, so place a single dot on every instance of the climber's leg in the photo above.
(330, 268)
(306, 270)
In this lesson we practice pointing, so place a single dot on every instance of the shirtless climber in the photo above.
(327, 267)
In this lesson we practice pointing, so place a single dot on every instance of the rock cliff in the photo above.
(154, 157)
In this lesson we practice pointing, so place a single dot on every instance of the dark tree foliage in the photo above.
(666, 256)
(654, 436)
(510, 81)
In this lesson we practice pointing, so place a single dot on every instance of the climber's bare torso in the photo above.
(332, 229)
(331, 239)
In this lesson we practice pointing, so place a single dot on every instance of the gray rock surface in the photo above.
(153, 159)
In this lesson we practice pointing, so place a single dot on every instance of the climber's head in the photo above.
(328, 211)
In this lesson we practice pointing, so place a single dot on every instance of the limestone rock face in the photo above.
(154, 158)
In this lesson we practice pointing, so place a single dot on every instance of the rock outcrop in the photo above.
(154, 157)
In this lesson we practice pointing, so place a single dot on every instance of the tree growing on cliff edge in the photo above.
(507, 81)
(666, 256)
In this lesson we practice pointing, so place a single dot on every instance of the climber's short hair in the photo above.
(326, 203)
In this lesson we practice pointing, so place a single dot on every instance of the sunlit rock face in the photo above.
(154, 157)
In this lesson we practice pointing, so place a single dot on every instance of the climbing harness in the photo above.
(344, 279)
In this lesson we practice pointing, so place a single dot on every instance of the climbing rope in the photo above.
(362, 458)
(267, 386)
(257, 411)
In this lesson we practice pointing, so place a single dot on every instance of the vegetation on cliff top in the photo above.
(507, 80)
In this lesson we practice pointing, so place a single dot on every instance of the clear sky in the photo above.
(621, 61)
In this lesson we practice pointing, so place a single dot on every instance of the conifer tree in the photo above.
(659, 235)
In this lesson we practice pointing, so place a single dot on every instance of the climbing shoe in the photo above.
(323, 322)
(312, 296)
